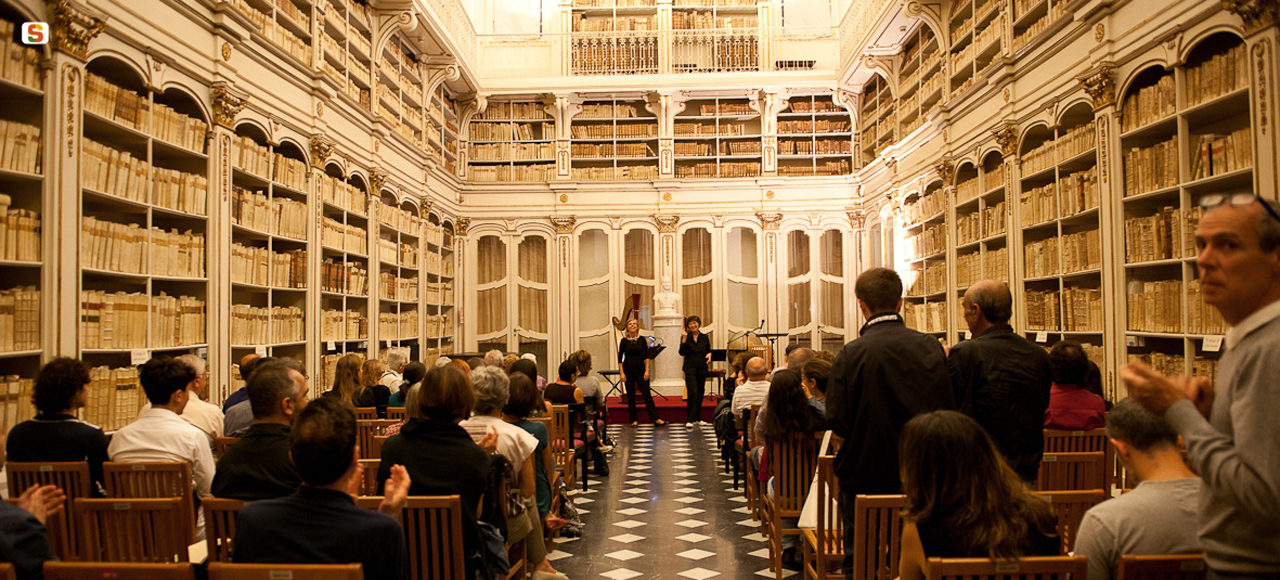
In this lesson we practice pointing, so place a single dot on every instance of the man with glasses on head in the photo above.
(1233, 440)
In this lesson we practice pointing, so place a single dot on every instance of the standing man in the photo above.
(695, 347)
(1002, 379)
(879, 381)
(1232, 437)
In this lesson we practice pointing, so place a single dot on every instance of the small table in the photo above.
(613, 377)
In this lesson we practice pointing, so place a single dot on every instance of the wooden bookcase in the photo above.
(398, 249)
(715, 36)
(878, 122)
(344, 264)
(920, 79)
(718, 137)
(925, 226)
(346, 56)
(512, 141)
(977, 29)
(815, 137)
(982, 224)
(1035, 19)
(613, 139)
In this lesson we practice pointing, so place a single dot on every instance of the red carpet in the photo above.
(671, 409)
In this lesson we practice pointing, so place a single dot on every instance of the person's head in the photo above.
(197, 364)
(568, 372)
(757, 370)
(1093, 380)
(1068, 364)
(825, 355)
(692, 323)
(815, 374)
(165, 381)
(461, 365)
(522, 397)
(276, 393)
(346, 377)
(442, 361)
(633, 327)
(879, 291)
(791, 347)
(529, 356)
(322, 442)
(797, 358)
(475, 362)
(413, 373)
(492, 389)
(371, 372)
(582, 361)
(249, 362)
(985, 304)
(412, 402)
(527, 368)
(740, 363)
(493, 358)
(788, 407)
(509, 360)
(953, 475)
(1239, 259)
(446, 395)
(61, 386)
(1139, 434)
(396, 359)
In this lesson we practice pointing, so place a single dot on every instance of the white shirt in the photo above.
(160, 435)
(514, 443)
(391, 379)
(1254, 321)
(204, 416)
(749, 393)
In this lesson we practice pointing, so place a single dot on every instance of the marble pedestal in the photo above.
(667, 376)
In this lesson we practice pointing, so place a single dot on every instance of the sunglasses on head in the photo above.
(1216, 199)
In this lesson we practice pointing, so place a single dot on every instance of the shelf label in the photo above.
(202, 352)
(1042, 337)
(364, 345)
(260, 350)
(388, 341)
(1212, 343)
(1133, 340)
(332, 345)
(139, 356)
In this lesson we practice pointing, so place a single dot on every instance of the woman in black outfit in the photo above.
(695, 347)
(633, 353)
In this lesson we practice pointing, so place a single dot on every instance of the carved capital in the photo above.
(461, 226)
(563, 224)
(1100, 83)
(857, 218)
(946, 169)
(666, 223)
(377, 178)
(1256, 14)
(226, 105)
(72, 28)
(769, 220)
(1006, 135)
(321, 149)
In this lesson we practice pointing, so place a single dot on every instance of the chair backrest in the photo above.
(749, 420)
(562, 442)
(224, 571)
(72, 478)
(154, 480)
(792, 463)
(378, 441)
(829, 526)
(433, 534)
(366, 430)
(1056, 441)
(134, 530)
(1040, 568)
(126, 570)
(1071, 471)
(877, 536)
(369, 483)
(6, 571)
(396, 413)
(220, 445)
(220, 525)
(366, 413)
(1169, 567)
(1069, 507)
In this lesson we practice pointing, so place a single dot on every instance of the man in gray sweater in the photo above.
(1232, 435)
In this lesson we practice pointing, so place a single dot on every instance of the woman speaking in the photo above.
(633, 353)
(695, 347)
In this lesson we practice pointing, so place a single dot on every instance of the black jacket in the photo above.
(1002, 380)
(695, 352)
(24, 542)
(878, 383)
(53, 437)
(258, 466)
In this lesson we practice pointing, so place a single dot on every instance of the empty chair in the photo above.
(134, 530)
(823, 545)
(433, 533)
(1167, 567)
(72, 478)
(1037, 568)
(122, 570)
(155, 480)
(1071, 471)
(220, 526)
(877, 535)
(224, 571)
(791, 467)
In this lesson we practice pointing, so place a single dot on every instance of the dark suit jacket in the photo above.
(258, 466)
(23, 542)
(695, 352)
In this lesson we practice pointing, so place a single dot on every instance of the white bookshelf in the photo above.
(718, 137)
(344, 264)
(924, 218)
(613, 139)
(439, 287)
(878, 121)
(398, 253)
(815, 137)
(346, 56)
(977, 30)
(511, 141)
(920, 79)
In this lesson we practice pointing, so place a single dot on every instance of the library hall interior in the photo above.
(639, 289)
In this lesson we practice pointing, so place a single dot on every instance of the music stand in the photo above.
(653, 353)
(772, 337)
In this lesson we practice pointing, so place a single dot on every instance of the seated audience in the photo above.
(159, 434)
(493, 358)
(790, 416)
(55, 434)
(321, 523)
(521, 401)
(814, 377)
(564, 392)
(238, 417)
(1071, 407)
(413, 373)
(391, 377)
(258, 466)
(346, 379)
(592, 393)
(373, 393)
(509, 360)
(754, 390)
(1159, 515)
(475, 362)
(411, 411)
(538, 380)
(24, 541)
(963, 499)
(206, 417)
(247, 363)
(1093, 384)
(529, 369)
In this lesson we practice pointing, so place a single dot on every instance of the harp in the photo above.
(632, 304)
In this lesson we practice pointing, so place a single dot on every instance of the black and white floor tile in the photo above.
(667, 511)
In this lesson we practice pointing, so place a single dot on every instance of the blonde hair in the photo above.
(346, 377)
(371, 373)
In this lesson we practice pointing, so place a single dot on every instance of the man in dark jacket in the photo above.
(258, 466)
(1002, 379)
(880, 381)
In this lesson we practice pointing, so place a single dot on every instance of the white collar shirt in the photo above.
(160, 435)
(514, 443)
(1252, 322)
(206, 417)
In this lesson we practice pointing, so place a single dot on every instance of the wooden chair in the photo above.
(73, 479)
(134, 530)
(748, 441)
(154, 480)
(366, 431)
(738, 444)
(6, 571)
(378, 441)
(369, 484)
(578, 426)
(224, 571)
(877, 535)
(1071, 471)
(126, 570)
(1170, 567)
(517, 555)
(824, 544)
(396, 413)
(433, 534)
(220, 526)
(792, 464)
(366, 413)
(562, 444)
(1069, 508)
(1090, 441)
(220, 445)
(1040, 568)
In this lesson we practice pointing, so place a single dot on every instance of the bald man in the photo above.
(1001, 379)
(754, 390)
(247, 362)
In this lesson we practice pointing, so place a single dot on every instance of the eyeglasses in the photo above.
(1216, 199)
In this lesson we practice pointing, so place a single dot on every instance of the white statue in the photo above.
(666, 301)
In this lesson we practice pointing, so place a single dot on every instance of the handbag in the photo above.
(490, 561)
(809, 511)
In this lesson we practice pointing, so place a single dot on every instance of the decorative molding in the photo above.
(563, 224)
(71, 79)
(461, 226)
(73, 29)
(321, 149)
(438, 75)
(226, 104)
(1100, 32)
(857, 218)
(946, 170)
(226, 51)
(1006, 135)
(1100, 83)
(666, 223)
(769, 220)
(1260, 55)
(1256, 14)
(377, 179)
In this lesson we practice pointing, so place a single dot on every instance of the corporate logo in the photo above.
(34, 33)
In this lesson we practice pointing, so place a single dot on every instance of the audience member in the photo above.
(493, 358)
(754, 390)
(320, 523)
(373, 393)
(880, 381)
(247, 362)
(413, 373)
(346, 379)
(1159, 515)
(565, 392)
(206, 417)
(814, 377)
(1093, 384)
(797, 356)
(159, 434)
(258, 466)
(521, 401)
(1232, 440)
(963, 500)
(411, 411)
(592, 392)
(24, 541)
(790, 416)
(825, 355)
(509, 360)
(1000, 378)
(240, 417)
(55, 434)
(475, 362)
(391, 377)
(538, 379)
(786, 356)
(1071, 408)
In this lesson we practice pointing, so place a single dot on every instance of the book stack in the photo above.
(398, 219)
(532, 172)
(19, 233)
(177, 254)
(968, 189)
(968, 227)
(693, 149)
(1164, 363)
(1218, 154)
(995, 264)
(18, 64)
(925, 317)
(176, 190)
(251, 157)
(968, 269)
(329, 367)
(1189, 225)
(1155, 306)
(1151, 168)
(401, 288)
(115, 103)
(1151, 103)
(1204, 367)
(19, 319)
(1083, 309)
(398, 326)
(15, 400)
(1043, 310)
(1153, 237)
(274, 325)
(262, 267)
(112, 246)
(115, 397)
(280, 216)
(20, 147)
(740, 148)
(113, 171)
(1202, 318)
(993, 220)
(173, 127)
(931, 240)
(436, 326)
(113, 320)
(1038, 205)
(344, 278)
(290, 172)
(1041, 258)
(795, 127)
(339, 236)
(1081, 251)
(929, 205)
(177, 321)
(1078, 191)
(338, 193)
(1220, 74)
(935, 278)
(993, 178)
(1076, 141)
(343, 325)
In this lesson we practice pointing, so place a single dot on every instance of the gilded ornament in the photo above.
(461, 226)
(1256, 14)
(563, 224)
(1260, 54)
(769, 220)
(1100, 84)
(666, 223)
(321, 149)
(564, 198)
(1006, 136)
(225, 104)
(377, 179)
(857, 218)
(666, 196)
(946, 169)
(1100, 32)
(320, 109)
(769, 194)
(226, 51)
(72, 29)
